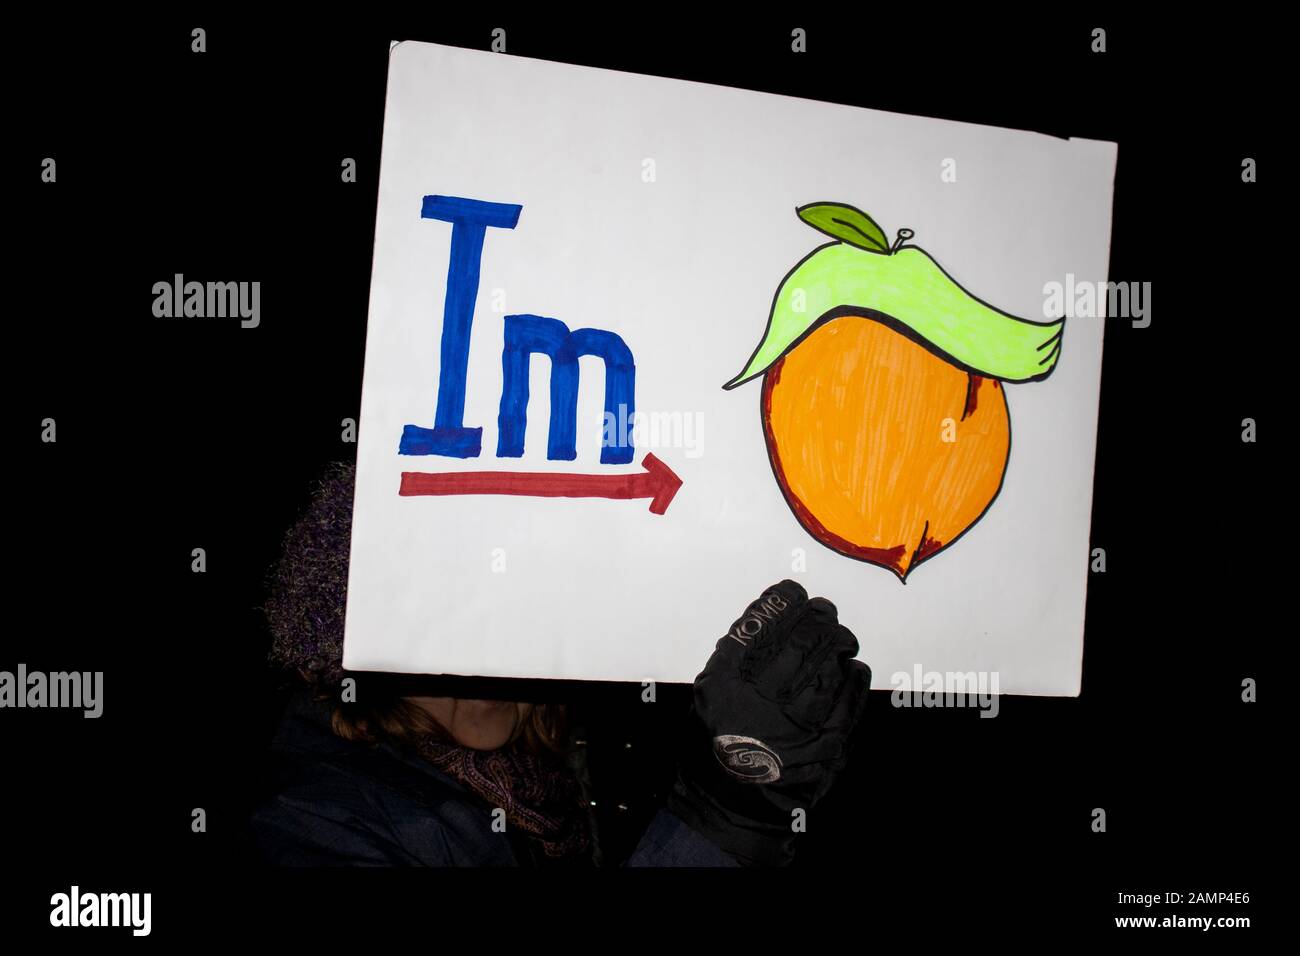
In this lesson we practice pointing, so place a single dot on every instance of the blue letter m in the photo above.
(526, 334)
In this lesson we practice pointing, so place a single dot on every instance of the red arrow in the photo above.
(658, 483)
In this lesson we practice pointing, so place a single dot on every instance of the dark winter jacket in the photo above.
(343, 803)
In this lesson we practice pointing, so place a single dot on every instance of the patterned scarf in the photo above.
(540, 796)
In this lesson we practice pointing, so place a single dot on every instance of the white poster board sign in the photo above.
(570, 265)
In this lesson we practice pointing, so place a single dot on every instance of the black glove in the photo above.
(774, 710)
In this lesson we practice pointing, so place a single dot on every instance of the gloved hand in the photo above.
(770, 725)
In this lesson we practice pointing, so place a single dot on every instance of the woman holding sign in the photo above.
(443, 781)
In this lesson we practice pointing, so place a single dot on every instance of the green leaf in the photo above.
(845, 223)
(906, 289)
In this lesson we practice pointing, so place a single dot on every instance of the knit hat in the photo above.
(309, 584)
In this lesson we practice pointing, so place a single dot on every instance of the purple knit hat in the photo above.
(309, 584)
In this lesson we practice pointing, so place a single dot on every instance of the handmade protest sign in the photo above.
(639, 347)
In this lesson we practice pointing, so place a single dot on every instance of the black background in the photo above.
(174, 435)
